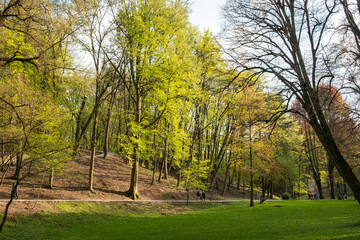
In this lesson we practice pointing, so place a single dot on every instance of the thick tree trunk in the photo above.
(317, 178)
(320, 126)
(133, 191)
(341, 165)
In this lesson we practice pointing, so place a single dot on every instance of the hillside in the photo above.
(111, 182)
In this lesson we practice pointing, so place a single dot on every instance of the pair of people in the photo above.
(200, 195)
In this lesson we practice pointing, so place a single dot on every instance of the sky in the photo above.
(206, 14)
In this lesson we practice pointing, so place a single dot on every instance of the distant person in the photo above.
(203, 195)
(13, 188)
(345, 196)
(340, 196)
(198, 194)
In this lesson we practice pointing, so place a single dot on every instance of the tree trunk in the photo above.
(93, 154)
(331, 167)
(165, 158)
(106, 137)
(226, 174)
(161, 166)
(171, 163)
(78, 127)
(311, 153)
(133, 191)
(319, 124)
(19, 157)
(263, 190)
(107, 124)
(220, 156)
(51, 178)
(13, 193)
(317, 178)
(238, 180)
(251, 171)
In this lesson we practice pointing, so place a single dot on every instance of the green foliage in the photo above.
(194, 175)
(286, 196)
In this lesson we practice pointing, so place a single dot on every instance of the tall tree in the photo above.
(286, 39)
(145, 30)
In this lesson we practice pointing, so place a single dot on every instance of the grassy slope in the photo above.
(272, 220)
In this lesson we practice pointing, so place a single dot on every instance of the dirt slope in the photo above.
(111, 181)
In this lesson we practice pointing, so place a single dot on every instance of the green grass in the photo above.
(271, 220)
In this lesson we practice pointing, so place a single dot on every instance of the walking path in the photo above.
(125, 201)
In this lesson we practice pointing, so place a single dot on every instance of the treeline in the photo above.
(157, 91)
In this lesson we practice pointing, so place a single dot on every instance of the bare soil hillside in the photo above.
(111, 181)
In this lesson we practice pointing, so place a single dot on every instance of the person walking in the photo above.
(198, 194)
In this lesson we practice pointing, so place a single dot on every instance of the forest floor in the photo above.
(111, 181)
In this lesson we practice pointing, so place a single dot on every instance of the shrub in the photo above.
(286, 196)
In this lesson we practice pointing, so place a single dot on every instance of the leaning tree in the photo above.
(289, 40)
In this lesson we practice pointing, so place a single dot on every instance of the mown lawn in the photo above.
(271, 220)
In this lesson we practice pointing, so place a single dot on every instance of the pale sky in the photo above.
(206, 14)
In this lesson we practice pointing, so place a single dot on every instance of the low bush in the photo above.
(286, 196)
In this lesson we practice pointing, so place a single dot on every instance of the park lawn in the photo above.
(271, 220)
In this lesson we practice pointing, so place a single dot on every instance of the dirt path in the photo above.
(119, 201)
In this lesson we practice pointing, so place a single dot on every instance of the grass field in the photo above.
(271, 220)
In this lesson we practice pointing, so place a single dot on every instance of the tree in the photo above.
(286, 40)
(145, 30)
(251, 114)
(33, 56)
(289, 156)
(32, 134)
